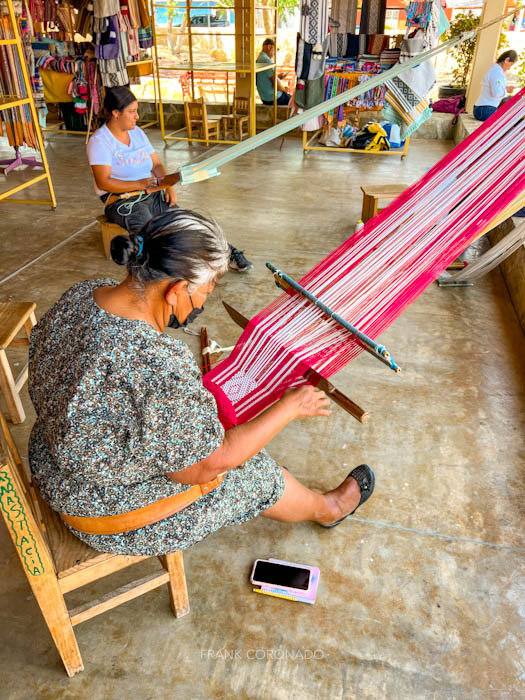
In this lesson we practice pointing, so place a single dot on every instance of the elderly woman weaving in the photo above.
(127, 445)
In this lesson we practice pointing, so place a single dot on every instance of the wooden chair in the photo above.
(198, 123)
(13, 317)
(56, 562)
(109, 231)
(238, 119)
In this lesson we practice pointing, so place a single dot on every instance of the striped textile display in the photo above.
(16, 121)
(373, 276)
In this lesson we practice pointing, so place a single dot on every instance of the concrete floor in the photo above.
(422, 594)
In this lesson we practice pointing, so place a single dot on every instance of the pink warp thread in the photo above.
(374, 275)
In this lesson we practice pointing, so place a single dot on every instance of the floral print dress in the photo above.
(118, 406)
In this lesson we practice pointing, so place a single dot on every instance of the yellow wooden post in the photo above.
(253, 64)
(32, 110)
(156, 76)
(486, 49)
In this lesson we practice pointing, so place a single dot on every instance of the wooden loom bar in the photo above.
(378, 351)
(206, 362)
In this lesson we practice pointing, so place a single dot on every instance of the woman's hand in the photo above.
(171, 196)
(148, 184)
(510, 89)
(243, 441)
(306, 401)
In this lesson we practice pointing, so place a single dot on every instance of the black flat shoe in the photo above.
(364, 476)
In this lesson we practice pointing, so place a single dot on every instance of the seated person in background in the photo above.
(123, 160)
(124, 421)
(494, 86)
(266, 78)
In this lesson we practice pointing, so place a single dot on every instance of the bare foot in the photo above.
(341, 501)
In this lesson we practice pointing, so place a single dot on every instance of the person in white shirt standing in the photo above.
(494, 86)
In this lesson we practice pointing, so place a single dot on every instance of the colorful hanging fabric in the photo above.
(406, 99)
(113, 72)
(353, 44)
(419, 13)
(107, 42)
(16, 121)
(134, 14)
(84, 18)
(36, 10)
(145, 37)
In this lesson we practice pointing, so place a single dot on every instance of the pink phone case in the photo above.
(302, 595)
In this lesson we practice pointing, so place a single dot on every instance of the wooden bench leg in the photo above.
(29, 323)
(174, 565)
(8, 387)
(369, 209)
(51, 602)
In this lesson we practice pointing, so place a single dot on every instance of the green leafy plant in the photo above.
(521, 69)
(464, 52)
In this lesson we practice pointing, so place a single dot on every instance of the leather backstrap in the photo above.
(140, 517)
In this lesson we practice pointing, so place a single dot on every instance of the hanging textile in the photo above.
(343, 16)
(374, 275)
(373, 13)
(407, 92)
(314, 21)
(407, 103)
(113, 72)
(56, 86)
(310, 64)
(16, 122)
(337, 45)
(36, 10)
(376, 43)
(419, 13)
(134, 13)
(84, 18)
(105, 8)
(353, 46)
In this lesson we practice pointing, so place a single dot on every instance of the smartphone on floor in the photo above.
(295, 578)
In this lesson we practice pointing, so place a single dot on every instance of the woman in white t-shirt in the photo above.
(494, 86)
(123, 160)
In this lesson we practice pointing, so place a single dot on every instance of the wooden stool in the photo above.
(371, 196)
(109, 231)
(14, 315)
(373, 193)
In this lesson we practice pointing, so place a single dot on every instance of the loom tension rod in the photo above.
(285, 282)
